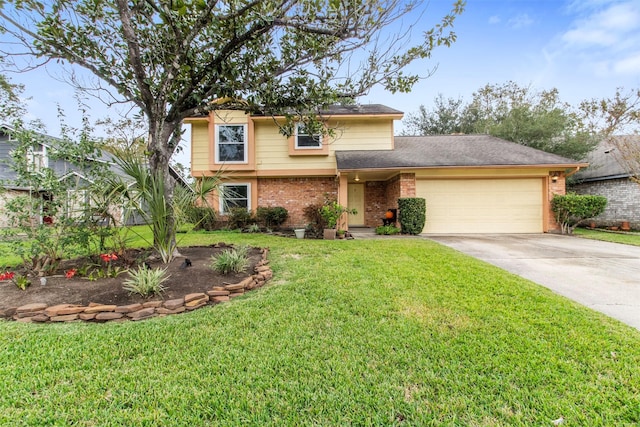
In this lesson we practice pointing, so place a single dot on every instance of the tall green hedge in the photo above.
(572, 209)
(412, 214)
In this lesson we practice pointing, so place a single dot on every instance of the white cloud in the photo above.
(605, 27)
(495, 19)
(590, 36)
(520, 21)
(628, 65)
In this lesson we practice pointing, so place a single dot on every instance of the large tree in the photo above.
(617, 121)
(173, 58)
(537, 119)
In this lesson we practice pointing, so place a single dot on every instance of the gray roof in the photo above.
(332, 110)
(603, 161)
(359, 109)
(449, 151)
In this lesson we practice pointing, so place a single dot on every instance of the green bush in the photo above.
(316, 222)
(146, 281)
(239, 218)
(573, 209)
(331, 211)
(272, 217)
(387, 230)
(412, 214)
(231, 260)
(202, 217)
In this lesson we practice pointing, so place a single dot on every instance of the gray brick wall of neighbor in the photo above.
(623, 197)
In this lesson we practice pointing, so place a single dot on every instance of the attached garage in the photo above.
(482, 205)
(471, 183)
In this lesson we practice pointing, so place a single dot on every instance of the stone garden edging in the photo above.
(95, 312)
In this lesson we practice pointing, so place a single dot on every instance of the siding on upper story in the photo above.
(270, 150)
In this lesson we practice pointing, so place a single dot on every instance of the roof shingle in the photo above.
(448, 151)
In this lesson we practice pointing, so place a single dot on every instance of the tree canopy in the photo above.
(617, 119)
(512, 112)
(173, 58)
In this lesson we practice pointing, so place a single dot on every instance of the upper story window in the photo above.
(306, 139)
(231, 143)
(37, 157)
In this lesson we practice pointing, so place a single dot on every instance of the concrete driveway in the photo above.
(600, 275)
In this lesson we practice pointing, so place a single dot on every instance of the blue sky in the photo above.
(584, 48)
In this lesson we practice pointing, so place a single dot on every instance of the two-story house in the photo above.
(471, 183)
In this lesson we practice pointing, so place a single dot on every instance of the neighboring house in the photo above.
(39, 158)
(471, 183)
(607, 177)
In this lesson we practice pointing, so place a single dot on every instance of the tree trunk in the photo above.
(160, 152)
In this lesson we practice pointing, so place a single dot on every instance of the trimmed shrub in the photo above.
(412, 214)
(316, 222)
(573, 209)
(272, 217)
(239, 218)
(202, 218)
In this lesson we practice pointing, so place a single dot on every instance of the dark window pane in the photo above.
(236, 191)
(308, 141)
(235, 196)
(237, 204)
(305, 138)
(231, 152)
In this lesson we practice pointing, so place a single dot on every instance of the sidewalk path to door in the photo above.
(601, 275)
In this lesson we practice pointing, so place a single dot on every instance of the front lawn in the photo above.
(607, 236)
(360, 332)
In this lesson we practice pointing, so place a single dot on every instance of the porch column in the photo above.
(343, 199)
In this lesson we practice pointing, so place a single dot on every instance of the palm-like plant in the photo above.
(147, 195)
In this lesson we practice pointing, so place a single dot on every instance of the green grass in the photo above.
(361, 332)
(607, 236)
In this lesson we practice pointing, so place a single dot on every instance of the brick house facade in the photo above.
(472, 183)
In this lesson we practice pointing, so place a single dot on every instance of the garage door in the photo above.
(482, 205)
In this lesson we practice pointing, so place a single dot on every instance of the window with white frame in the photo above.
(37, 157)
(306, 139)
(231, 143)
(235, 196)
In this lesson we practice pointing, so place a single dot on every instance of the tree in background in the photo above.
(173, 58)
(518, 114)
(446, 117)
(617, 120)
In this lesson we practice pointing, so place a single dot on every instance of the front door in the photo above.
(356, 201)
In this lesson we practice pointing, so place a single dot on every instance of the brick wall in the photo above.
(623, 197)
(393, 192)
(554, 188)
(294, 194)
(407, 185)
(375, 203)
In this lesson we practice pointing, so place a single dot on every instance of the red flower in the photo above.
(7, 275)
(70, 273)
(109, 257)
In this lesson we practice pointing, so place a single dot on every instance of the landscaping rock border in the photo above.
(95, 312)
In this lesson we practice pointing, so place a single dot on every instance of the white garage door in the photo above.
(482, 205)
